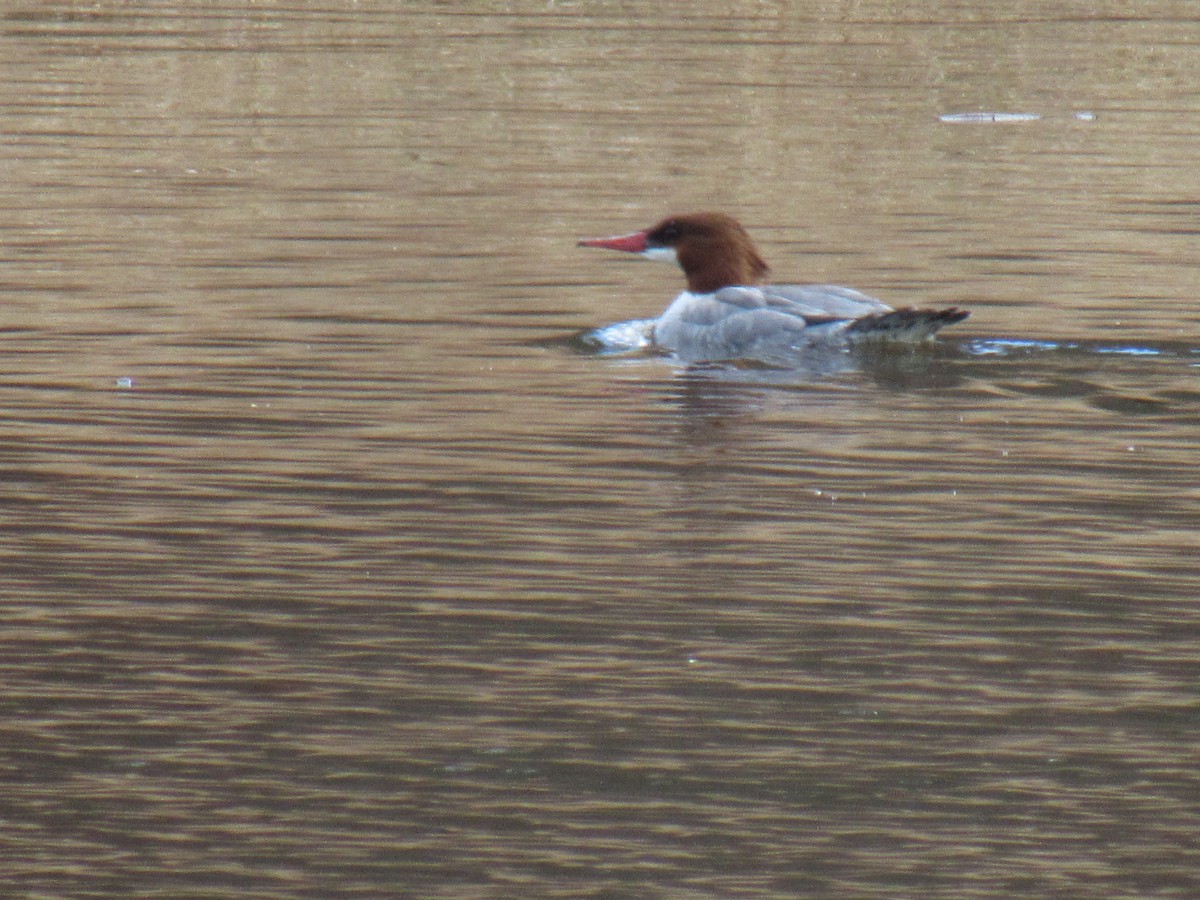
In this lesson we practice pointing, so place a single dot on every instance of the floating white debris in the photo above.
(1085, 116)
(977, 117)
(124, 382)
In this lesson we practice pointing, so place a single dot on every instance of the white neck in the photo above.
(667, 254)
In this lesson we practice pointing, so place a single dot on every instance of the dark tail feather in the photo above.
(905, 324)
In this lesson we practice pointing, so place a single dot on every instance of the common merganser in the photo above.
(727, 313)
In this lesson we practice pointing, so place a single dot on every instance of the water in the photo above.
(334, 566)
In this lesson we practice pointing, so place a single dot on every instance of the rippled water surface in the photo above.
(334, 565)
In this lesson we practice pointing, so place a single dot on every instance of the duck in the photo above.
(728, 312)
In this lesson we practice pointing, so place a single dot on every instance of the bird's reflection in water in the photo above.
(729, 388)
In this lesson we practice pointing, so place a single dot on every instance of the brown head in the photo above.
(713, 249)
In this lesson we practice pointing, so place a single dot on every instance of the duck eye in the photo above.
(670, 232)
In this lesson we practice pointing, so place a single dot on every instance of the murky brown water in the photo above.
(332, 567)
